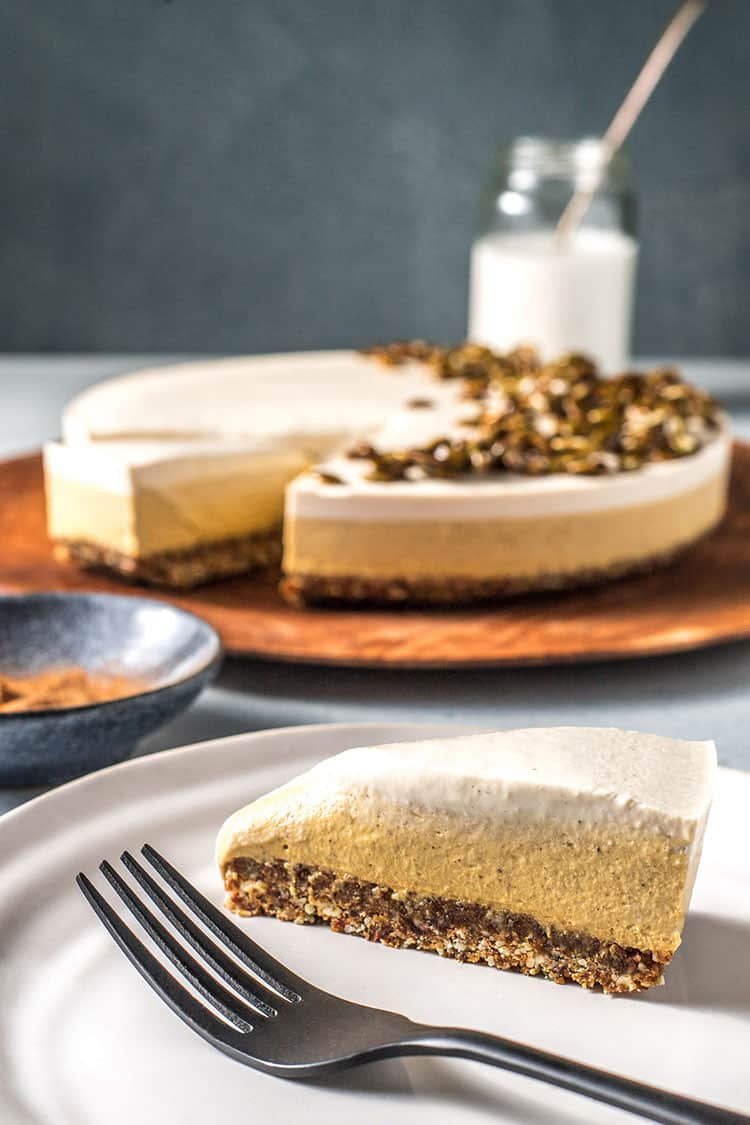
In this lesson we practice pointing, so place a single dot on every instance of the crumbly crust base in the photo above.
(465, 931)
(179, 570)
(318, 589)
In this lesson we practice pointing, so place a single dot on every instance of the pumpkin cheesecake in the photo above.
(175, 476)
(350, 538)
(413, 475)
(528, 478)
(168, 513)
(563, 852)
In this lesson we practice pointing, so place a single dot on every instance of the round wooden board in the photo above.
(703, 599)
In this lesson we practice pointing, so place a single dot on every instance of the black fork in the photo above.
(253, 1008)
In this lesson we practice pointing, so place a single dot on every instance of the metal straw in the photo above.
(627, 115)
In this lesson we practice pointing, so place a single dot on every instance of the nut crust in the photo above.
(179, 570)
(464, 931)
(318, 589)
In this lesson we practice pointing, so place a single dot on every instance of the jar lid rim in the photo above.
(549, 153)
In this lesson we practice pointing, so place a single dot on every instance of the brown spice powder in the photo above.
(62, 687)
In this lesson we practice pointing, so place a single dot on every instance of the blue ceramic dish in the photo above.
(174, 653)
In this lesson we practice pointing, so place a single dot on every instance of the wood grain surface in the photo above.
(703, 599)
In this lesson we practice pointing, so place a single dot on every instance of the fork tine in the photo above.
(182, 1002)
(224, 1001)
(270, 971)
(226, 968)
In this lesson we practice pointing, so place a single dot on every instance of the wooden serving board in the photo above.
(701, 600)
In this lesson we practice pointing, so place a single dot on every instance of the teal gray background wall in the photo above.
(251, 175)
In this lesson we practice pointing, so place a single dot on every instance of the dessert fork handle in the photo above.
(647, 1101)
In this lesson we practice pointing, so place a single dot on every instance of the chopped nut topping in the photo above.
(401, 351)
(362, 451)
(560, 417)
(328, 478)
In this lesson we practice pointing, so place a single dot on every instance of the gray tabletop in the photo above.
(691, 695)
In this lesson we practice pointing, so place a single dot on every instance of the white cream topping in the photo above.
(124, 466)
(168, 423)
(507, 495)
(567, 774)
(314, 400)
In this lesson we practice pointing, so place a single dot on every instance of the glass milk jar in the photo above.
(528, 286)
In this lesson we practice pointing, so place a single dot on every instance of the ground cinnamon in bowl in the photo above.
(62, 687)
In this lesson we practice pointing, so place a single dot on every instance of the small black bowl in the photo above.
(172, 652)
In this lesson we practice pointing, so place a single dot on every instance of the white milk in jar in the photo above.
(561, 295)
(526, 288)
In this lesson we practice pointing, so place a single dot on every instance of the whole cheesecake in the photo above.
(566, 852)
(397, 522)
(439, 476)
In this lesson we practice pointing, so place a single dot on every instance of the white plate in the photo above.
(85, 1042)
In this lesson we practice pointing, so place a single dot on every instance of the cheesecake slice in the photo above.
(175, 476)
(168, 513)
(563, 852)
